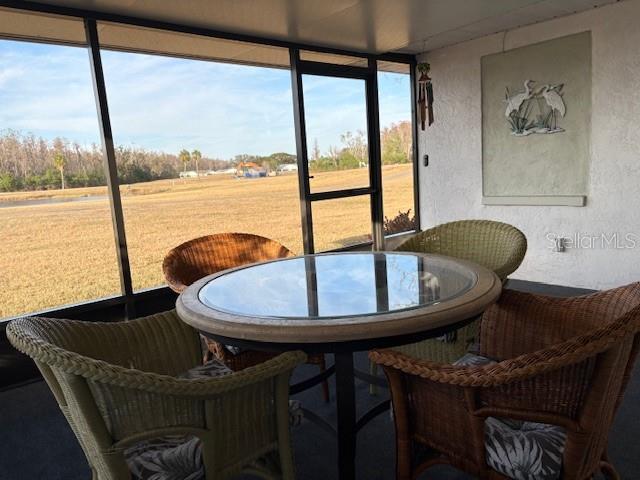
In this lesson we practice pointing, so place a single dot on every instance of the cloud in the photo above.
(8, 73)
(46, 90)
(164, 103)
(169, 104)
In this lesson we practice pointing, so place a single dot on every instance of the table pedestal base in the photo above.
(346, 410)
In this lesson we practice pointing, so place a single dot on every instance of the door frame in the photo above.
(370, 76)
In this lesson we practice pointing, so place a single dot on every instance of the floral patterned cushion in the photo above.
(213, 368)
(172, 457)
(519, 449)
(296, 413)
(471, 359)
(179, 457)
(524, 450)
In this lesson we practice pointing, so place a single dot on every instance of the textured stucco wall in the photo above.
(451, 187)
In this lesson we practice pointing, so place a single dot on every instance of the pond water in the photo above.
(50, 201)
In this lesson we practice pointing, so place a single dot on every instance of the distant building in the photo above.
(250, 170)
(287, 168)
(189, 174)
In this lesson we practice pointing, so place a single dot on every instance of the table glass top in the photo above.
(338, 285)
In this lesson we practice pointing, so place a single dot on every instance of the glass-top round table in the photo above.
(339, 303)
(351, 301)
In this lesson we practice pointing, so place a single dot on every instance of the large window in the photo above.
(56, 238)
(202, 147)
(394, 94)
(204, 138)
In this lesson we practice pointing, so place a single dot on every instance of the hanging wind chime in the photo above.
(425, 94)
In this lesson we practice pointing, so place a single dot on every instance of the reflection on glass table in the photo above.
(335, 286)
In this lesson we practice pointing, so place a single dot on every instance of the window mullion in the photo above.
(113, 184)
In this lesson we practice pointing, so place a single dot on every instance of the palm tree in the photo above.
(185, 157)
(196, 155)
(59, 162)
(315, 153)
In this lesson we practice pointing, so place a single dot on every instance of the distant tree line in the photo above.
(396, 144)
(28, 162)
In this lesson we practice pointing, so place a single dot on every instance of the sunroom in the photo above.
(350, 239)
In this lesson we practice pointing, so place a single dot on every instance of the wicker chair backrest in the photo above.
(495, 245)
(204, 256)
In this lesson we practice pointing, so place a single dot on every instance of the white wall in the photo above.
(451, 187)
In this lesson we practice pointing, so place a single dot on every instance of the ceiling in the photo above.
(374, 26)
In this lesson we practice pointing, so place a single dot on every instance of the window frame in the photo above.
(130, 300)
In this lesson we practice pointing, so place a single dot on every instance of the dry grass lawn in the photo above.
(60, 253)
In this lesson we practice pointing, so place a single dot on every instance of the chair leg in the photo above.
(325, 382)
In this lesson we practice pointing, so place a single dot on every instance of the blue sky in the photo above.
(167, 104)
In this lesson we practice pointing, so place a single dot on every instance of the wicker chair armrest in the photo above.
(120, 376)
(521, 368)
(520, 323)
(199, 387)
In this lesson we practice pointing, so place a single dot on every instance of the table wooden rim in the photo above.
(397, 323)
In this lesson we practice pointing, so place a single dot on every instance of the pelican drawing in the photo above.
(515, 102)
(553, 97)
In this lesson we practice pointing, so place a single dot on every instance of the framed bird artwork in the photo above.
(536, 122)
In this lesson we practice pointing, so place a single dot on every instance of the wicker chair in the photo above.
(118, 389)
(561, 366)
(497, 246)
(210, 254)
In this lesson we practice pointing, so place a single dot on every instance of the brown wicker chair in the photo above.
(560, 362)
(210, 254)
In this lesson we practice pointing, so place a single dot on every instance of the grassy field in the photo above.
(63, 251)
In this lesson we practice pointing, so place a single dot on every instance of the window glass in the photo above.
(202, 147)
(341, 222)
(336, 127)
(394, 94)
(55, 221)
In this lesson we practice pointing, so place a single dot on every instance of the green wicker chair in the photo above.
(497, 246)
(118, 389)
